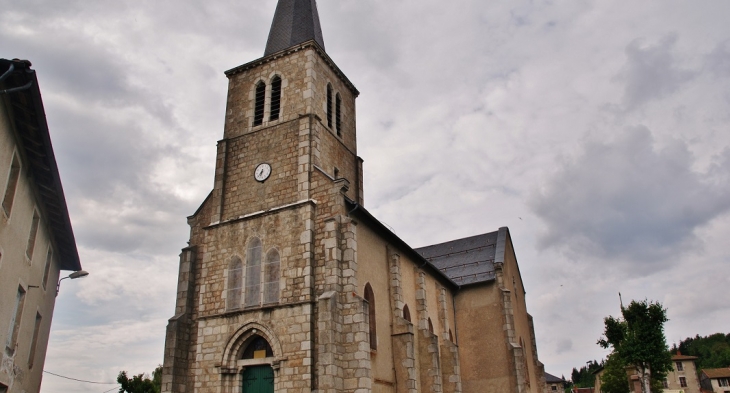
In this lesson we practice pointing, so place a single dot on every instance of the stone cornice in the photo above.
(305, 45)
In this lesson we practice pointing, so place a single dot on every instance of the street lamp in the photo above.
(74, 275)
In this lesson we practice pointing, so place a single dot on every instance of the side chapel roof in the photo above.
(295, 22)
(469, 260)
(461, 262)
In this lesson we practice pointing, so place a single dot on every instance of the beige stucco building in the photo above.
(36, 238)
(715, 380)
(289, 284)
(555, 384)
(681, 379)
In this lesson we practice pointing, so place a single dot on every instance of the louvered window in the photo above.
(258, 115)
(370, 298)
(271, 277)
(338, 116)
(275, 98)
(235, 283)
(253, 273)
(329, 106)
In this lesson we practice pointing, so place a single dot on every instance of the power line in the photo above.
(114, 388)
(80, 380)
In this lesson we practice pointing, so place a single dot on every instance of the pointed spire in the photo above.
(295, 21)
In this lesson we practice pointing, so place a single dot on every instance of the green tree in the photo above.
(584, 377)
(638, 340)
(713, 351)
(140, 383)
(614, 378)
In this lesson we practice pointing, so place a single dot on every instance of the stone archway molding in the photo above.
(235, 343)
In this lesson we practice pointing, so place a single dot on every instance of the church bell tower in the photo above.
(256, 273)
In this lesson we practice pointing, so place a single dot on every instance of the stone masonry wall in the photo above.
(428, 345)
(277, 146)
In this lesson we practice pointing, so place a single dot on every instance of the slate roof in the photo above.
(717, 372)
(295, 21)
(466, 261)
(19, 87)
(549, 378)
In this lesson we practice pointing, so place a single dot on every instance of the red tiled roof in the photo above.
(717, 372)
(683, 357)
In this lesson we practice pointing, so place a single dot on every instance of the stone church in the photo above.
(289, 284)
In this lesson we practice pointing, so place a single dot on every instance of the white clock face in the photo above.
(262, 172)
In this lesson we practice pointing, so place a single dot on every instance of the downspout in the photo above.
(15, 89)
(8, 72)
(357, 205)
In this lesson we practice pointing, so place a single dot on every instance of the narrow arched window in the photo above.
(338, 116)
(370, 298)
(451, 337)
(329, 105)
(407, 313)
(235, 283)
(253, 273)
(430, 326)
(257, 348)
(258, 113)
(275, 98)
(271, 277)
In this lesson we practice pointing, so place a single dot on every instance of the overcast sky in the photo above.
(597, 131)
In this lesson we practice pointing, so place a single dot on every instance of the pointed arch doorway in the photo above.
(258, 379)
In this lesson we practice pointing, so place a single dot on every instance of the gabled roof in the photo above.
(717, 372)
(549, 378)
(458, 262)
(19, 87)
(469, 260)
(295, 22)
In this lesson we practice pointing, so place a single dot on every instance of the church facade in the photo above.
(289, 284)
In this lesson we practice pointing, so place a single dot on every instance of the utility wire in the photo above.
(80, 380)
(115, 388)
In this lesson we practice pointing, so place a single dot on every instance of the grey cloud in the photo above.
(719, 60)
(651, 72)
(564, 345)
(624, 200)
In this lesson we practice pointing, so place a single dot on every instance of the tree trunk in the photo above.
(644, 378)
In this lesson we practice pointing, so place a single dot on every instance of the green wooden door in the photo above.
(259, 379)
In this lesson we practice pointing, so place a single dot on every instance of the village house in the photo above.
(36, 238)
